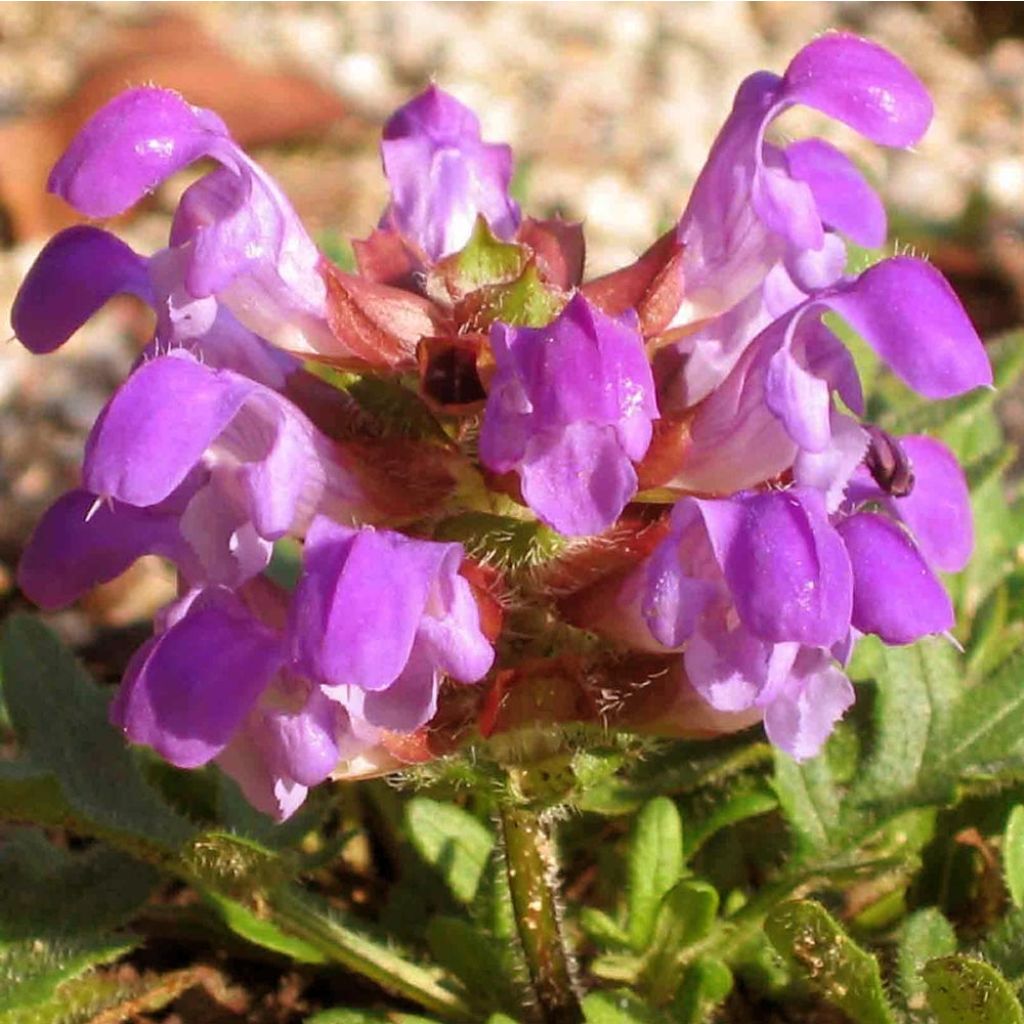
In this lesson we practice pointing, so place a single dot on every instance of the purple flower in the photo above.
(443, 175)
(82, 268)
(243, 241)
(280, 690)
(759, 230)
(570, 410)
(775, 411)
(379, 618)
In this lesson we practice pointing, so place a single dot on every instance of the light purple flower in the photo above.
(759, 229)
(443, 175)
(245, 243)
(775, 409)
(570, 410)
(82, 268)
(379, 618)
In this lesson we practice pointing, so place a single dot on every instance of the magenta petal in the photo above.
(938, 508)
(129, 147)
(157, 426)
(910, 316)
(845, 201)
(245, 760)
(190, 690)
(803, 716)
(895, 595)
(77, 272)
(71, 550)
(786, 567)
(861, 84)
(728, 668)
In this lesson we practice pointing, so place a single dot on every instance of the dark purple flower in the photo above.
(570, 410)
(443, 175)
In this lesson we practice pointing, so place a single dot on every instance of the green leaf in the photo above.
(49, 893)
(835, 967)
(706, 984)
(61, 719)
(32, 969)
(686, 915)
(917, 689)
(619, 1007)
(1003, 948)
(926, 935)
(474, 959)
(603, 929)
(1013, 855)
(737, 807)
(810, 801)
(966, 991)
(655, 865)
(452, 841)
(261, 931)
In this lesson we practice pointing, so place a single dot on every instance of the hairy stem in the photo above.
(296, 912)
(532, 871)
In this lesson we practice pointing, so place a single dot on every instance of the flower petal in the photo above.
(895, 595)
(907, 312)
(845, 201)
(938, 508)
(786, 566)
(187, 692)
(77, 272)
(862, 85)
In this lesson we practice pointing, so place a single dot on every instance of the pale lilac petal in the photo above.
(303, 744)
(190, 691)
(938, 508)
(862, 85)
(829, 471)
(409, 702)
(910, 316)
(803, 716)
(800, 400)
(828, 358)
(728, 668)
(245, 761)
(895, 595)
(844, 199)
(452, 637)
(814, 269)
(786, 566)
(442, 174)
(77, 272)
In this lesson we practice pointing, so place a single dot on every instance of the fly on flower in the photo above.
(523, 498)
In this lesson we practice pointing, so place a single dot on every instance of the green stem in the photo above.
(298, 913)
(531, 864)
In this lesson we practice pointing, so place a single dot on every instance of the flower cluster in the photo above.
(574, 493)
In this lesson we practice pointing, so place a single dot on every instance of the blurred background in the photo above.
(611, 109)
